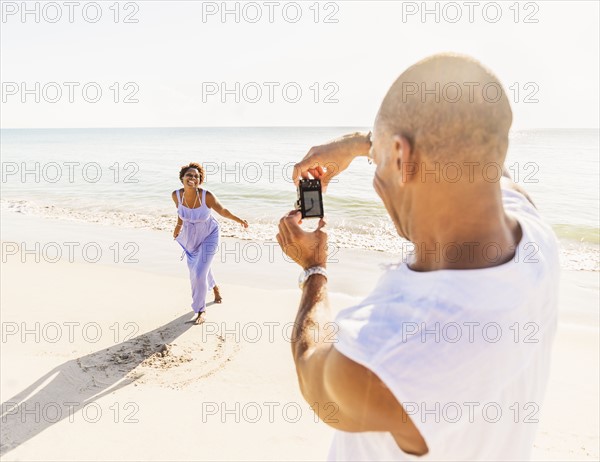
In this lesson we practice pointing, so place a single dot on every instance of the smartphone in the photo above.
(310, 200)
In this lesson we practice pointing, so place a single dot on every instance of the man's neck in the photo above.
(460, 230)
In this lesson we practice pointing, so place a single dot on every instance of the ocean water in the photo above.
(124, 177)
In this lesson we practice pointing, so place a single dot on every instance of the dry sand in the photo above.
(101, 365)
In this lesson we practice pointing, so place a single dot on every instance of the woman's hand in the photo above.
(176, 231)
(328, 160)
(244, 223)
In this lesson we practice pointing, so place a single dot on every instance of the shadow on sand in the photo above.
(67, 388)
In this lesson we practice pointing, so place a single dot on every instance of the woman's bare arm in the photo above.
(213, 203)
(179, 221)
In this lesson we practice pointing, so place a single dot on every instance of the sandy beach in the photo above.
(98, 362)
(126, 123)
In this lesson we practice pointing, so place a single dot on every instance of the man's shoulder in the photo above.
(538, 237)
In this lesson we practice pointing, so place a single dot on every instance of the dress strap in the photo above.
(178, 198)
(203, 197)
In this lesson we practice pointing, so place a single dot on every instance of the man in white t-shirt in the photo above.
(448, 357)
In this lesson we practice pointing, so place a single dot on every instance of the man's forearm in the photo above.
(310, 332)
(362, 143)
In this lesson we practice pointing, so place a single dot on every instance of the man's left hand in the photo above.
(306, 248)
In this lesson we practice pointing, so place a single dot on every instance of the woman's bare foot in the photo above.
(200, 318)
(218, 298)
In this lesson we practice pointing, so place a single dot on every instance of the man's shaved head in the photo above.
(451, 108)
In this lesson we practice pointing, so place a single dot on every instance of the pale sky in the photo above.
(177, 60)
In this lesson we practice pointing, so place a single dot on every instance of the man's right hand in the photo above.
(328, 160)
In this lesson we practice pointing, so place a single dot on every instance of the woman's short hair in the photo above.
(195, 165)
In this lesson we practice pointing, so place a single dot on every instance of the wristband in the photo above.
(304, 275)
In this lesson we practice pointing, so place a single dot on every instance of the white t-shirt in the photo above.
(466, 352)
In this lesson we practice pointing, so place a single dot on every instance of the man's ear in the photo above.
(404, 156)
